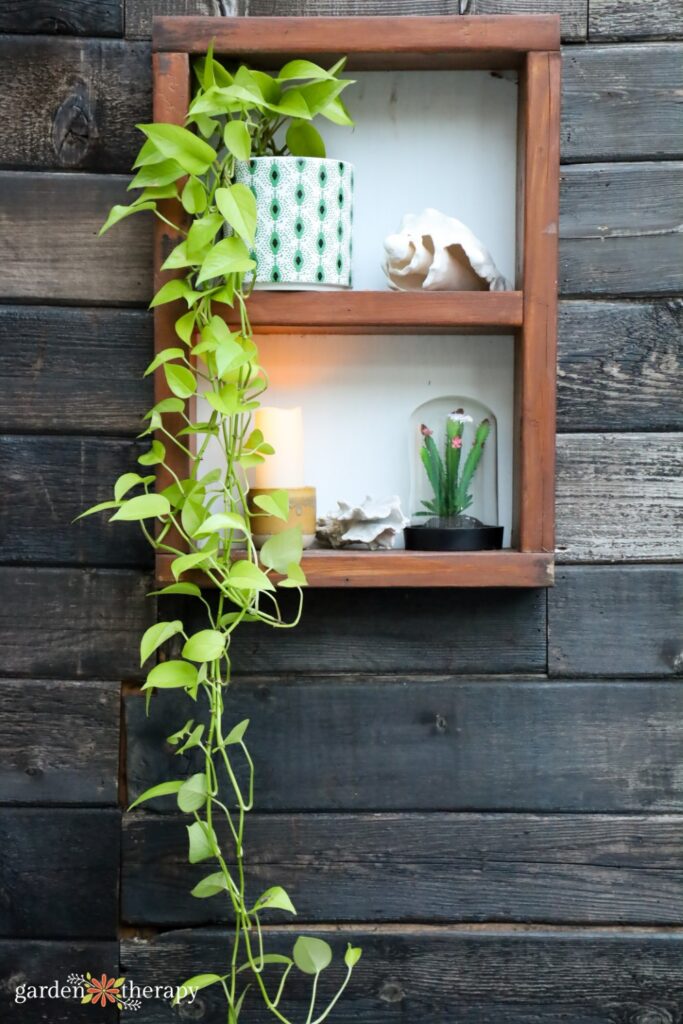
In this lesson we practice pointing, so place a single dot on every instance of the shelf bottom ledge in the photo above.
(409, 569)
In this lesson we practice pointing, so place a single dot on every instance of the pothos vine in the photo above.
(203, 521)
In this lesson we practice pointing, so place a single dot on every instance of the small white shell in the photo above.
(374, 524)
(434, 252)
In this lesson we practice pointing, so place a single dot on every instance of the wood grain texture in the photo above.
(51, 481)
(622, 102)
(573, 13)
(64, 860)
(74, 370)
(378, 312)
(620, 366)
(417, 867)
(619, 235)
(614, 621)
(370, 43)
(536, 344)
(462, 631)
(73, 623)
(477, 975)
(140, 13)
(72, 106)
(33, 962)
(635, 19)
(349, 8)
(59, 742)
(372, 569)
(620, 229)
(171, 76)
(49, 246)
(445, 744)
(55, 17)
(620, 497)
(611, 355)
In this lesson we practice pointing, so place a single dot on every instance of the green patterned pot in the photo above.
(303, 235)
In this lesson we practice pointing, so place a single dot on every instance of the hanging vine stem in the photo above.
(236, 116)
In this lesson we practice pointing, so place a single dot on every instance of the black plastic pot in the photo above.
(464, 533)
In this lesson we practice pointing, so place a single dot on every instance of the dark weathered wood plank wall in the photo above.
(484, 788)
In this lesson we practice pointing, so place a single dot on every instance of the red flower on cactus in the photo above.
(456, 442)
(425, 431)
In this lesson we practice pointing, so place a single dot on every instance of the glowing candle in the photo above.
(284, 430)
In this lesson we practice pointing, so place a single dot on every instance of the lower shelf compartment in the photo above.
(411, 569)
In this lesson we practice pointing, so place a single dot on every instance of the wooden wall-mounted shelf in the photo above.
(528, 44)
(350, 312)
(410, 569)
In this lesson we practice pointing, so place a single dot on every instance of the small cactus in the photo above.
(449, 480)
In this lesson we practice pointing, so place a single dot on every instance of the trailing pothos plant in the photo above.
(203, 520)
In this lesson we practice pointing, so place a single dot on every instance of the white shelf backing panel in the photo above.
(445, 139)
(358, 393)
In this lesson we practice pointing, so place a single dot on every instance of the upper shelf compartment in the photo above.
(372, 43)
(374, 312)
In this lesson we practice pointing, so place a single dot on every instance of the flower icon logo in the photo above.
(103, 990)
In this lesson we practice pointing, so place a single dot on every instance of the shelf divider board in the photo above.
(351, 312)
(528, 43)
(410, 569)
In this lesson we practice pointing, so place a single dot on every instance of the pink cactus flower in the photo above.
(456, 442)
(425, 431)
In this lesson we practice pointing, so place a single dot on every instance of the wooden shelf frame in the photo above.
(529, 44)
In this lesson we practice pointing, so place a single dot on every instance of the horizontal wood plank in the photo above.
(393, 630)
(52, 480)
(49, 245)
(478, 975)
(59, 742)
(87, 363)
(612, 355)
(635, 19)
(55, 17)
(573, 13)
(370, 43)
(140, 13)
(32, 962)
(73, 623)
(612, 621)
(620, 229)
(59, 873)
(622, 102)
(619, 366)
(603, 514)
(620, 497)
(417, 867)
(72, 106)
(437, 744)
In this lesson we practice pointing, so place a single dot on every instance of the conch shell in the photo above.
(434, 252)
(374, 524)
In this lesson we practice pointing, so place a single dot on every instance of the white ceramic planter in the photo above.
(305, 211)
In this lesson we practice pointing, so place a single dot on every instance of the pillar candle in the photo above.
(284, 430)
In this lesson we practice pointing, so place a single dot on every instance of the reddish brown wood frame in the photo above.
(529, 44)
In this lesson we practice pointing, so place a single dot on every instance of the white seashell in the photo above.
(434, 252)
(374, 524)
